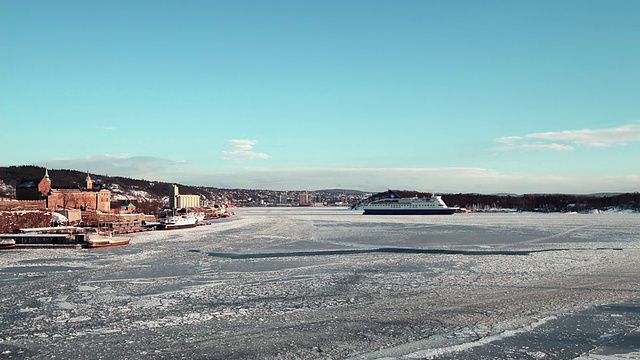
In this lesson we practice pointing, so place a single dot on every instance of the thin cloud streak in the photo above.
(244, 154)
(534, 147)
(621, 135)
(508, 139)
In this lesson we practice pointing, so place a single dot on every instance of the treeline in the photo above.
(546, 202)
(66, 178)
(528, 202)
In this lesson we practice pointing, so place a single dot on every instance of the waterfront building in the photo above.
(304, 199)
(89, 197)
(181, 201)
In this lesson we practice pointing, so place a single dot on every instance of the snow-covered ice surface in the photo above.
(517, 286)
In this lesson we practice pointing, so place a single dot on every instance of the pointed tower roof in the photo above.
(89, 182)
(46, 173)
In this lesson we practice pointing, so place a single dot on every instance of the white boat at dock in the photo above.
(180, 219)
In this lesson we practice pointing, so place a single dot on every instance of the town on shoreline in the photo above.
(28, 201)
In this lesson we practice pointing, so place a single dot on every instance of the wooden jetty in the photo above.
(43, 240)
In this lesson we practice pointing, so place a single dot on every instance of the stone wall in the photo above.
(15, 205)
(14, 220)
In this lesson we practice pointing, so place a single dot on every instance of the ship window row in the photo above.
(406, 205)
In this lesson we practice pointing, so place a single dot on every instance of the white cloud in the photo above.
(242, 144)
(537, 146)
(243, 150)
(620, 135)
(508, 139)
(245, 154)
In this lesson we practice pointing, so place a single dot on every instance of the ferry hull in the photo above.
(394, 204)
(181, 221)
(448, 211)
(176, 226)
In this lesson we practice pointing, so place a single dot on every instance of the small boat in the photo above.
(180, 219)
(393, 204)
(7, 243)
(101, 241)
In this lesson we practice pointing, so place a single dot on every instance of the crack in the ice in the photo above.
(228, 255)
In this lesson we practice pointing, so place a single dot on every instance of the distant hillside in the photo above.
(149, 191)
(528, 202)
(137, 190)
(122, 188)
(343, 191)
(547, 202)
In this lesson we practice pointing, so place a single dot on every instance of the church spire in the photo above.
(89, 182)
(44, 186)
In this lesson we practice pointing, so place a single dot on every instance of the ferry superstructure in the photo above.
(180, 219)
(396, 205)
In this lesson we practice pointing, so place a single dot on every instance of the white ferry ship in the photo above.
(393, 204)
(180, 219)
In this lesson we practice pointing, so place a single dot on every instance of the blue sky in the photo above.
(442, 96)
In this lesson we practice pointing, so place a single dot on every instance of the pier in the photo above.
(44, 240)
(59, 237)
